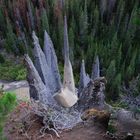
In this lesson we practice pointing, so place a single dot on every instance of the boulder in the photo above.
(101, 117)
(93, 95)
(66, 98)
(127, 120)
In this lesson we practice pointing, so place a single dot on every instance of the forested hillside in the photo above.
(109, 29)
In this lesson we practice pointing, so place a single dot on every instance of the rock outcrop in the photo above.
(67, 96)
(52, 63)
(101, 117)
(93, 95)
(127, 120)
(84, 78)
(38, 90)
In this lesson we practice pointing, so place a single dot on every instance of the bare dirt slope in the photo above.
(18, 129)
(22, 125)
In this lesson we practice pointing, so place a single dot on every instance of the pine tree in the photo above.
(116, 86)
(2, 21)
(114, 46)
(71, 41)
(83, 26)
(10, 43)
(119, 58)
(44, 22)
(130, 71)
(95, 21)
(31, 17)
(103, 7)
(111, 71)
(110, 75)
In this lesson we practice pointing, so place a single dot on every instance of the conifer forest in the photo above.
(93, 46)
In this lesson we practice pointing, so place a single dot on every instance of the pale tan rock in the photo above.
(66, 98)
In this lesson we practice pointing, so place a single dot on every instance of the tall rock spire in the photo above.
(67, 96)
(38, 90)
(42, 66)
(68, 71)
(51, 59)
(84, 78)
(96, 69)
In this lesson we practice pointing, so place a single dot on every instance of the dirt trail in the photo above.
(20, 88)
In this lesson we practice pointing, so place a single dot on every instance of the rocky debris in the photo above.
(128, 120)
(131, 95)
(93, 95)
(129, 136)
(132, 102)
(98, 116)
(125, 136)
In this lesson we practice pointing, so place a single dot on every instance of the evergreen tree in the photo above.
(71, 41)
(110, 75)
(83, 26)
(10, 43)
(115, 88)
(130, 71)
(44, 22)
(111, 71)
(2, 22)
(108, 27)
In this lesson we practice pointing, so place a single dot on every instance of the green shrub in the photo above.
(7, 103)
(118, 104)
(111, 127)
(11, 71)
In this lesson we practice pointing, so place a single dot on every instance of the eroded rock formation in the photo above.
(38, 90)
(93, 95)
(84, 78)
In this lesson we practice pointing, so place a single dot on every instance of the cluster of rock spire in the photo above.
(44, 77)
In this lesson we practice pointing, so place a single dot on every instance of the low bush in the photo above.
(11, 71)
(7, 103)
